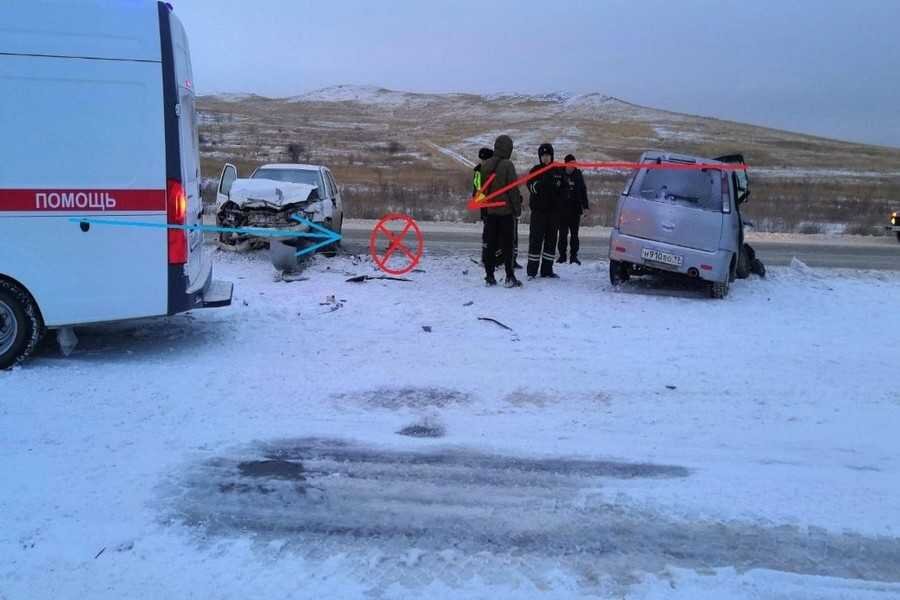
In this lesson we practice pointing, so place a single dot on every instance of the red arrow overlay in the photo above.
(480, 200)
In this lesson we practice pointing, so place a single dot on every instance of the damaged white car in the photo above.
(269, 198)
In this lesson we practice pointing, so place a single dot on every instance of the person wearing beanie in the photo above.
(477, 182)
(545, 201)
(574, 203)
(499, 221)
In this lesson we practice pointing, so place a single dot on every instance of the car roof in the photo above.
(675, 157)
(292, 167)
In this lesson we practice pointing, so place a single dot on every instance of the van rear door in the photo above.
(81, 110)
(678, 207)
(198, 267)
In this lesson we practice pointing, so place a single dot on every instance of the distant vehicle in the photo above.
(269, 198)
(895, 224)
(685, 222)
(99, 99)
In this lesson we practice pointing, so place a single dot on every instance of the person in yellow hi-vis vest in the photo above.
(477, 182)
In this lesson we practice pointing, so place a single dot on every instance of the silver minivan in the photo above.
(683, 221)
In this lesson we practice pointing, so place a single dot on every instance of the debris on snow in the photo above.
(490, 320)
(365, 278)
(427, 427)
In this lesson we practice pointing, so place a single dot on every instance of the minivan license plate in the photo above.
(662, 257)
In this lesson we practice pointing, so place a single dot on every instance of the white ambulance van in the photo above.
(98, 122)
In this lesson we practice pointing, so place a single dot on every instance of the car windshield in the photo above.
(307, 176)
(696, 188)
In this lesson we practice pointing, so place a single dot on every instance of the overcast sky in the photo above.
(825, 67)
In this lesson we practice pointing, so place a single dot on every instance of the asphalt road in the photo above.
(879, 253)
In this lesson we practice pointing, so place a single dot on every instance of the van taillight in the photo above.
(176, 207)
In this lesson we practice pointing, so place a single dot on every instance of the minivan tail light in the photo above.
(176, 209)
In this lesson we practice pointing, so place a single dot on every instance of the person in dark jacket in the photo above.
(500, 220)
(477, 182)
(545, 202)
(575, 202)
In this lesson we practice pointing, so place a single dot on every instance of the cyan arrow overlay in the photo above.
(318, 232)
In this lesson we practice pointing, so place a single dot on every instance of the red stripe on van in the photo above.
(82, 201)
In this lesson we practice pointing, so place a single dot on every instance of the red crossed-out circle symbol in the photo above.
(396, 243)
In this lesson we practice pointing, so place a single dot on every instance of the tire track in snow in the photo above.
(325, 497)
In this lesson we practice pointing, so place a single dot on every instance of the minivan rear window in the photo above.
(701, 189)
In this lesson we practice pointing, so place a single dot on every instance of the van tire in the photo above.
(618, 272)
(718, 290)
(19, 308)
(744, 262)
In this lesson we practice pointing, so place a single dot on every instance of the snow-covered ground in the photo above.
(620, 444)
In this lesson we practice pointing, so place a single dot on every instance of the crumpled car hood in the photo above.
(268, 193)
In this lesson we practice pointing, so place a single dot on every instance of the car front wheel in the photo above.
(283, 256)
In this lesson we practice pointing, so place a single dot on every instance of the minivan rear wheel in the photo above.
(719, 289)
(21, 326)
(618, 272)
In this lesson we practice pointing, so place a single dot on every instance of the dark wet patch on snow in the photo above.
(276, 469)
(423, 430)
(526, 398)
(324, 497)
(405, 397)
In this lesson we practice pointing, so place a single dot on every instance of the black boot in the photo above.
(490, 280)
(512, 282)
(561, 259)
(574, 260)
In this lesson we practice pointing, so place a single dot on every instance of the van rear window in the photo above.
(697, 189)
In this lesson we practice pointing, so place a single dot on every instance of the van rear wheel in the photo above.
(21, 327)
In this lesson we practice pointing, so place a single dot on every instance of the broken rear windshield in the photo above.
(698, 189)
